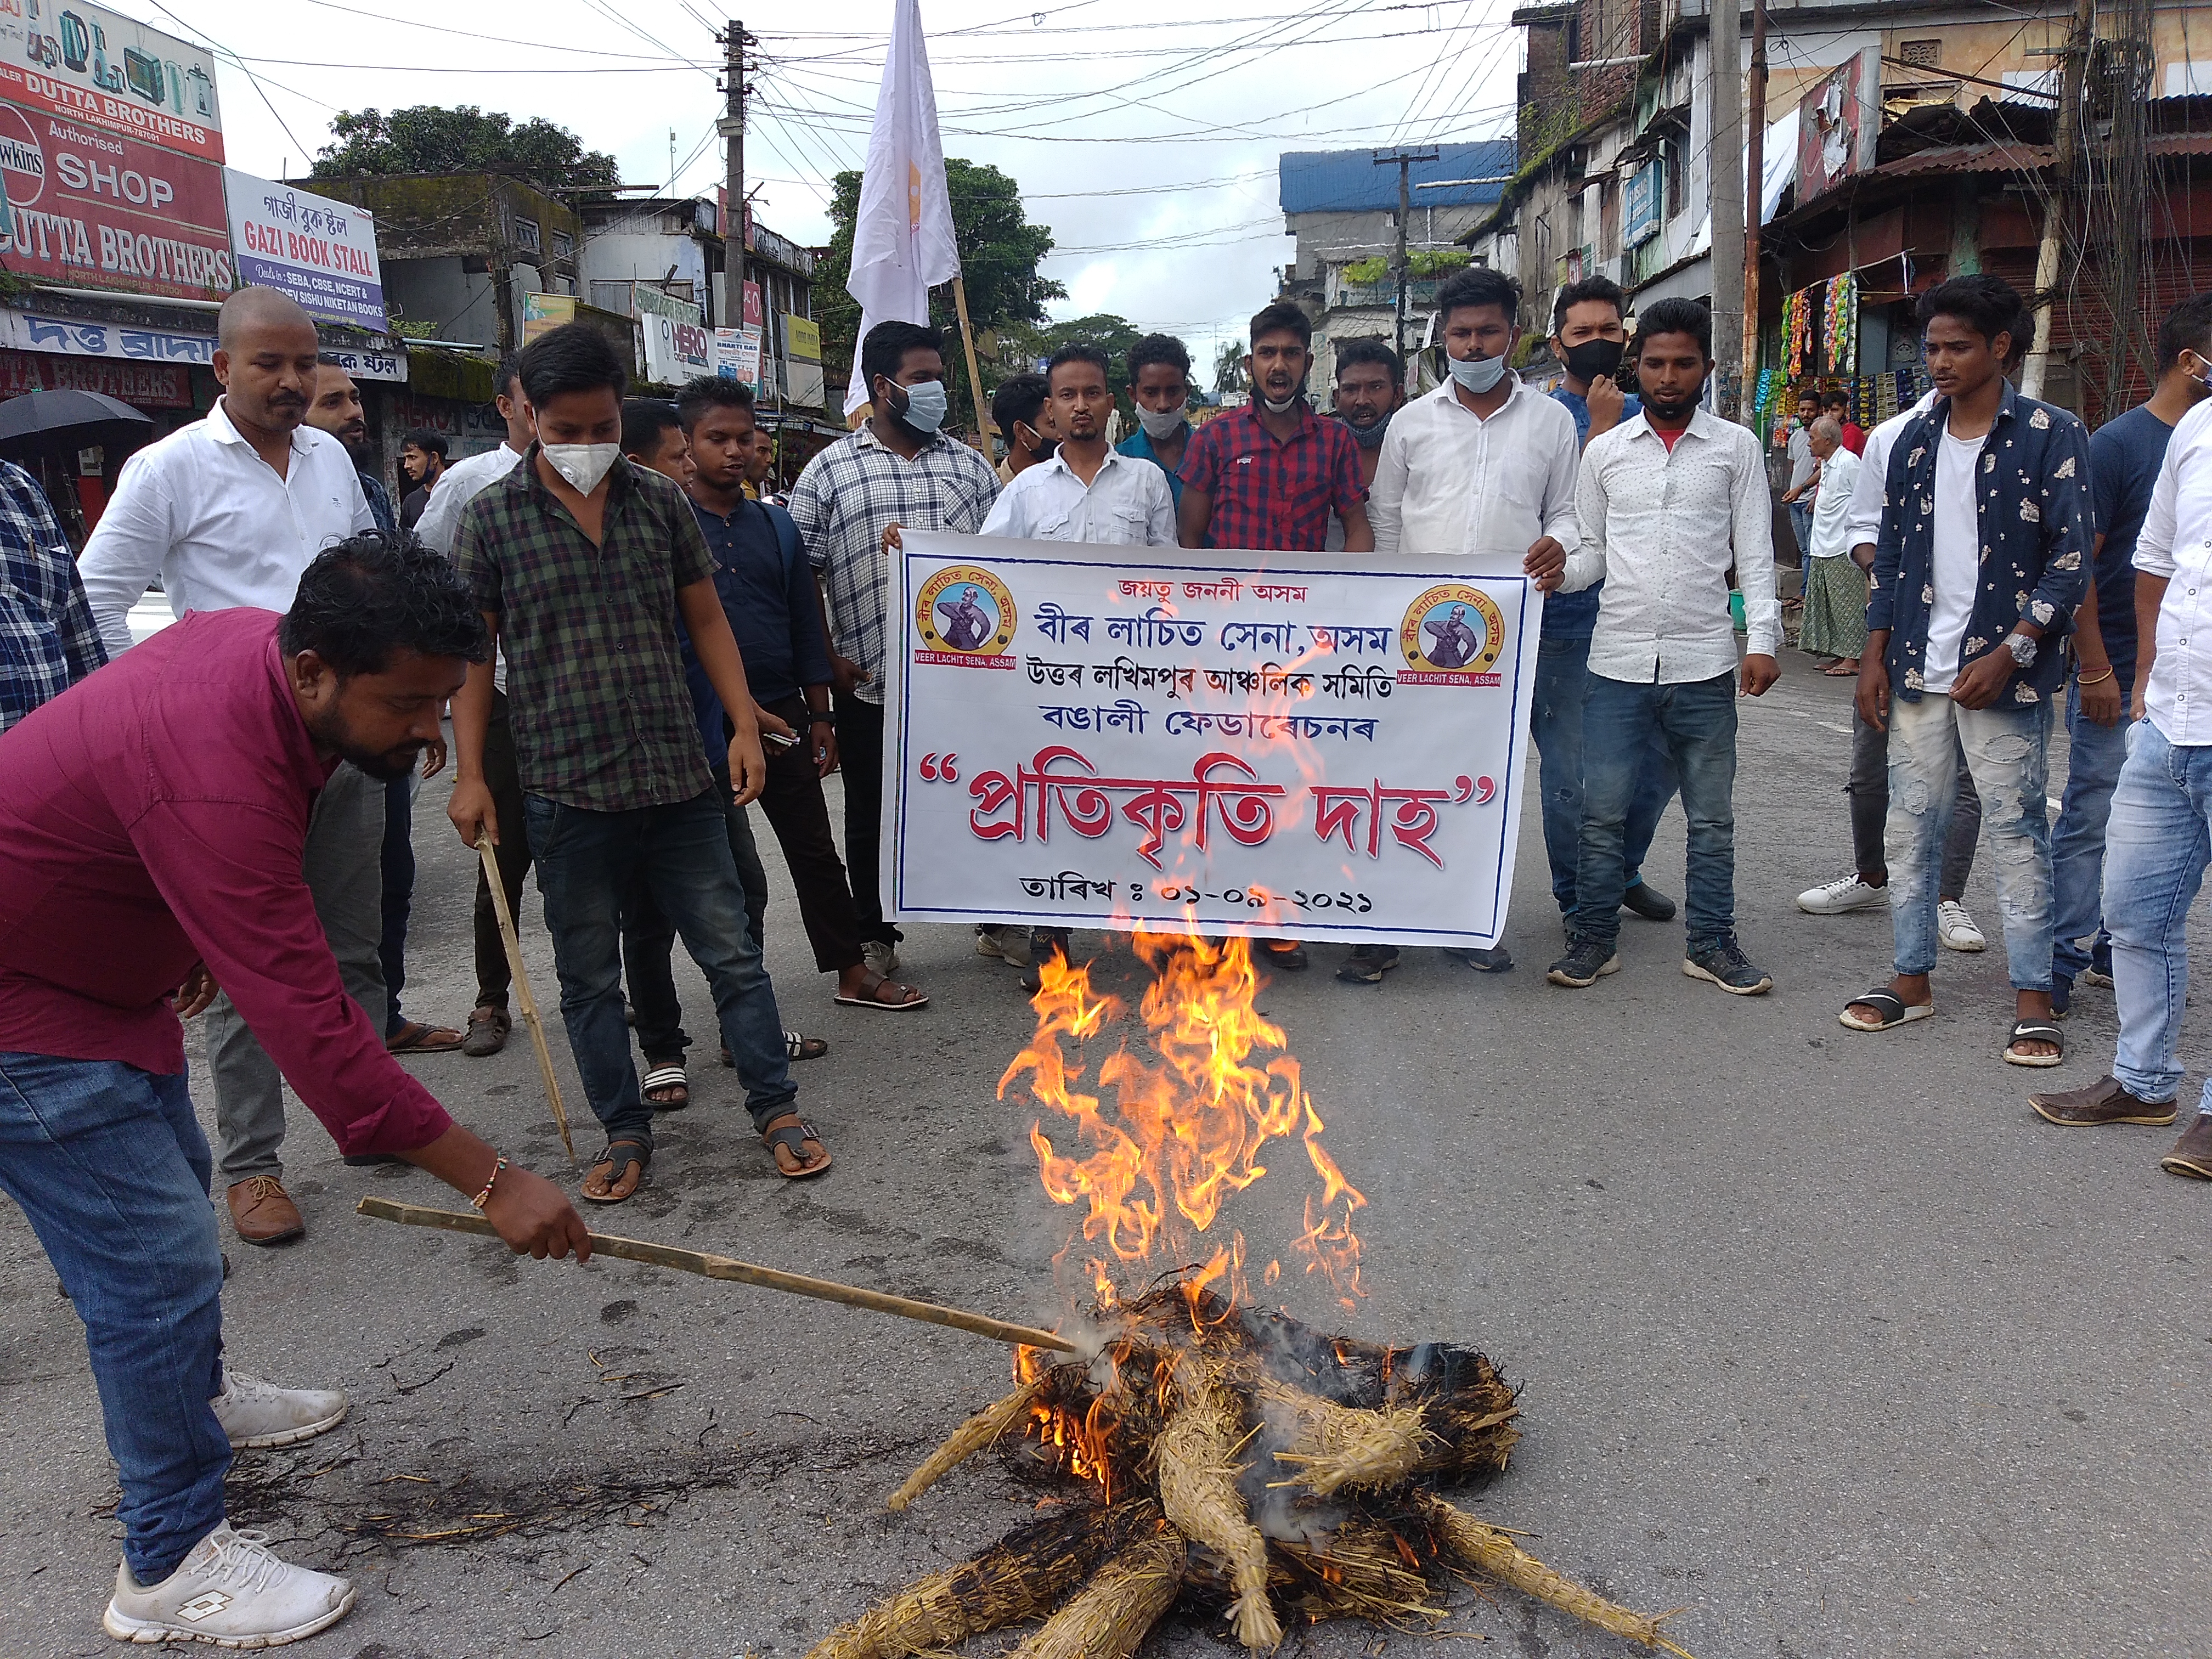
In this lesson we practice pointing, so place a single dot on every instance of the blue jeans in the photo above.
(112, 1171)
(2077, 841)
(1556, 723)
(1801, 521)
(2009, 752)
(588, 863)
(649, 939)
(2155, 852)
(1695, 722)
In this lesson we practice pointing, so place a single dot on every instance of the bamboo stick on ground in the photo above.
(742, 1273)
(524, 1001)
(1488, 1549)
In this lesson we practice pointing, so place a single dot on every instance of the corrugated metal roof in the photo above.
(1348, 181)
(1969, 158)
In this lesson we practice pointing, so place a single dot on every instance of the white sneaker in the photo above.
(1844, 893)
(881, 958)
(1007, 944)
(231, 1590)
(1956, 928)
(256, 1413)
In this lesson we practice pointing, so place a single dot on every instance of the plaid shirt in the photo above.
(2039, 526)
(844, 501)
(602, 718)
(1270, 496)
(48, 640)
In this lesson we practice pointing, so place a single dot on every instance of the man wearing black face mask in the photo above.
(897, 469)
(1019, 410)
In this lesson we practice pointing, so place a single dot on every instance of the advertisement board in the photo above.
(676, 352)
(84, 208)
(142, 386)
(1839, 121)
(801, 338)
(737, 355)
(321, 253)
(87, 64)
(544, 312)
(1639, 206)
(1273, 744)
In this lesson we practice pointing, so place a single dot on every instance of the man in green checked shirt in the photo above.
(582, 564)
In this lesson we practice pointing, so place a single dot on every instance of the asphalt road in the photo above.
(1824, 1337)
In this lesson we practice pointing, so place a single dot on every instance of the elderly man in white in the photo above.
(228, 511)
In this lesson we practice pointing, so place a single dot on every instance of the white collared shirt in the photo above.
(1660, 529)
(1127, 502)
(2176, 542)
(1450, 481)
(457, 486)
(201, 509)
(1862, 524)
(1832, 505)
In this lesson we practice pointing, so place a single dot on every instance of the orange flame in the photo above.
(1153, 1170)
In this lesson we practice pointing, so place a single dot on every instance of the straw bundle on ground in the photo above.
(1234, 1465)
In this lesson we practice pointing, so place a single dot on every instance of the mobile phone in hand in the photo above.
(779, 739)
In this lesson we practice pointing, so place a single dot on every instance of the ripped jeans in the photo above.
(2007, 751)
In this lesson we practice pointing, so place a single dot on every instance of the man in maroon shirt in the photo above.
(1268, 476)
(153, 820)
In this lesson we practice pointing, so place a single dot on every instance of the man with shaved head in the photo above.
(228, 511)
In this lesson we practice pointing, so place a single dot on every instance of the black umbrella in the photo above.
(55, 423)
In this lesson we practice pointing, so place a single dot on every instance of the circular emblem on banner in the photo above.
(23, 162)
(966, 610)
(1452, 629)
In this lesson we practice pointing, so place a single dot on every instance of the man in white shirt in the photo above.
(1087, 492)
(229, 510)
(1484, 464)
(459, 485)
(1669, 503)
(2154, 844)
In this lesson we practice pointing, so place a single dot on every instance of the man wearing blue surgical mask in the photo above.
(896, 468)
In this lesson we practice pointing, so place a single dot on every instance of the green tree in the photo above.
(1021, 345)
(1229, 365)
(430, 138)
(1000, 250)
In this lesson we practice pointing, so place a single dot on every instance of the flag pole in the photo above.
(974, 374)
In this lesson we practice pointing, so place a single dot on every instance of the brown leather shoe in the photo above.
(2103, 1102)
(2192, 1153)
(262, 1211)
(488, 1030)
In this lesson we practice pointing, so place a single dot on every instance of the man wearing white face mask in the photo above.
(896, 469)
(1159, 386)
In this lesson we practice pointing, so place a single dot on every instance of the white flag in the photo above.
(903, 235)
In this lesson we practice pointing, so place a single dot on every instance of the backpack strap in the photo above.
(786, 536)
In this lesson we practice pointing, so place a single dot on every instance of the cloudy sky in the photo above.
(1144, 133)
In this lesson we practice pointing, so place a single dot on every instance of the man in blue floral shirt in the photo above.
(1983, 559)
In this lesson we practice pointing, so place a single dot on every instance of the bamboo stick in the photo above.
(743, 1273)
(523, 999)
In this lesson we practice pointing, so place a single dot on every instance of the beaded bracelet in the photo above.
(491, 1180)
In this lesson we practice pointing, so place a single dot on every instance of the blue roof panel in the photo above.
(1349, 181)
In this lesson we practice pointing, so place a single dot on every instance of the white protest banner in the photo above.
(1315, 745)
(321, 253)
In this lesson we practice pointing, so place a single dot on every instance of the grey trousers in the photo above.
(344, 865)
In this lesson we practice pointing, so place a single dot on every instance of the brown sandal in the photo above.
(618, 1165)
(796, 1134)
(416, 1038)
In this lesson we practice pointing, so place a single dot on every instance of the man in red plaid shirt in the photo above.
(1266, 477)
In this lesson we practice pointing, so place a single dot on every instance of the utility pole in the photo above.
(1403, 160)
(731, 126)
(2065, 169)
(1724, 107)
(1754, 209)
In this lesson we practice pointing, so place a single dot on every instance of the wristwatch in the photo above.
(2022, 647)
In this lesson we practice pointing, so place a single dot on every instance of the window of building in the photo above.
(1677, 167)
(1922, 54)
(564, 244)
(526, 235)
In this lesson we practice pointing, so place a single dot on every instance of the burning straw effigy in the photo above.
(1206, 1454)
